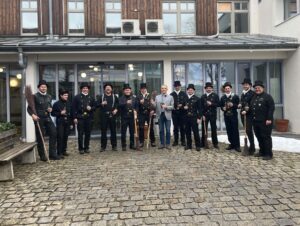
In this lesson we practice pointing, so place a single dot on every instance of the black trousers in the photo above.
(84, 128)
(178, 126)
(263, 134)
(63, 131)
(47, 126)
(232, 128)
(127, 123)
(108, 122)
(192, 125)
(212, 119)
(142, 118)
(249, 131)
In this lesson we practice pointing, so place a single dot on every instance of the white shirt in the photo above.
(189, 96)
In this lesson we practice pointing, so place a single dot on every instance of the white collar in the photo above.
(44, 94)
(84, 94)
(246, 91)
(207, 94)
(177, 92)
(190, 95)
(228, 95)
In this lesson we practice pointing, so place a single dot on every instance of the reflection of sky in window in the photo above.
(113, 19)
(187, 23)
(29, 20)
(170, 23)
(76, 20)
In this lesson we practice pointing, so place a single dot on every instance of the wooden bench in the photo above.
(11, 149)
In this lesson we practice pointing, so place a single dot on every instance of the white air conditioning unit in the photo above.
(154, 27)
(130, 28)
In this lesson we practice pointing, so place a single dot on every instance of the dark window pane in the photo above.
(275, 82)
(3, 102)
(227, 73)
(260, 72)
(243, 70)
(179, 74)
(241, 23)
(195, 76)
(153, 76)
(224, 22)
(212, 75)
(48, 73)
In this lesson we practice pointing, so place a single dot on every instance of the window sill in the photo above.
(288, 19)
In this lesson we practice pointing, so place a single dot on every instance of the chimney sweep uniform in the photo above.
(210, 113)
(84, 117)
(229, 105)
(108, 118)
(42, 103)
(193, 112)
(245, 102)
(262, 108)
(178, 113)
(143, 111)
(63, 123)
(127, 117)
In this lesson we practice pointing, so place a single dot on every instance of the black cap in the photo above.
(85, 84)
(126, 86)
(108, 84)
(208, 84)
(177, 83)
(42, 82)
(143, 86)
(190, 86)
(227, 84)
(63, 91)
(248, 81)
(258, 83)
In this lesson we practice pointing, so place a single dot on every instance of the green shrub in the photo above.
(4, 126)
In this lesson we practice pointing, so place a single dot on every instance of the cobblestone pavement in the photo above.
(154, 187)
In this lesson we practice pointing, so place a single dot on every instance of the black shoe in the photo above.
(65, 154)
(198, 149)
(153, 145)
(141, 145)
(61, 156)
(132, 147)
(81, 152)
(183, 144)
(238, 149)
(114, 148)
(216, 147)
(123, 148)
(175, 144)
(187, 148)
(267, 157)
(102, 149)
(258, 155)
(229, 148)
(54, 158)
(168, 147)
(87, 151)
(161, 146)
(44, 159)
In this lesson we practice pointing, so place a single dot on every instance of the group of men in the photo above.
(184, 109)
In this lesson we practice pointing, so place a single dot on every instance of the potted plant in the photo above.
(8, 134)
(282, 125)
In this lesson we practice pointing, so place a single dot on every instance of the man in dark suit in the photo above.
(180, 99)
(229, 104)
(209, 104)
(262, 107)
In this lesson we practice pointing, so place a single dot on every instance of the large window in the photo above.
(179, 17)
(76, 17)
(113, 16)
(233, 16)
(29, 17)
(290, 8)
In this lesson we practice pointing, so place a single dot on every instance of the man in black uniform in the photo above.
(43, 109)
(209, 104)
(262, 108)
(83, 107)
(144, 107)
(62, 112)
(229, 104)
(244, 105)
(180, 99)
(192, 118)
(127, 106)
(108, 109)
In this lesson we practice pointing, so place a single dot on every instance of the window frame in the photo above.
(29, 10)
(233, 13)
(112, 11)
(178, 11)
(70, 11)
(286, 11)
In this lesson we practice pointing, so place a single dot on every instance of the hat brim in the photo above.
(87, 86)
(208, 86)
(259, 85)
(42, 84)
(247, 83)
(226, 86)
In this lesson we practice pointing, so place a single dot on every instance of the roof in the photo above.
(67, 43)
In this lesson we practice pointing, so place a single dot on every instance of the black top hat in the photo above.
(63, 91)
(227, 84)
(248, 81)
(126, 86)
(42, 82)
(258, 83)
(177, 83)
(108, 84)
(208, 84)
(143, 86)
(85, 84)
(191, 86)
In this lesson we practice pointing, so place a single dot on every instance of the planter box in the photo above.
(282, 125)
(7, 139)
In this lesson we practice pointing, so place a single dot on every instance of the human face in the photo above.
(164, 89)
(143, 90)
(227, 89)
(64, 97)
(108, 89)
(259, 89)
(85, 90)
(43, 88)
(190, 91)
(246, 86)
(177, 88)
(209, 89)
(127, 92)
